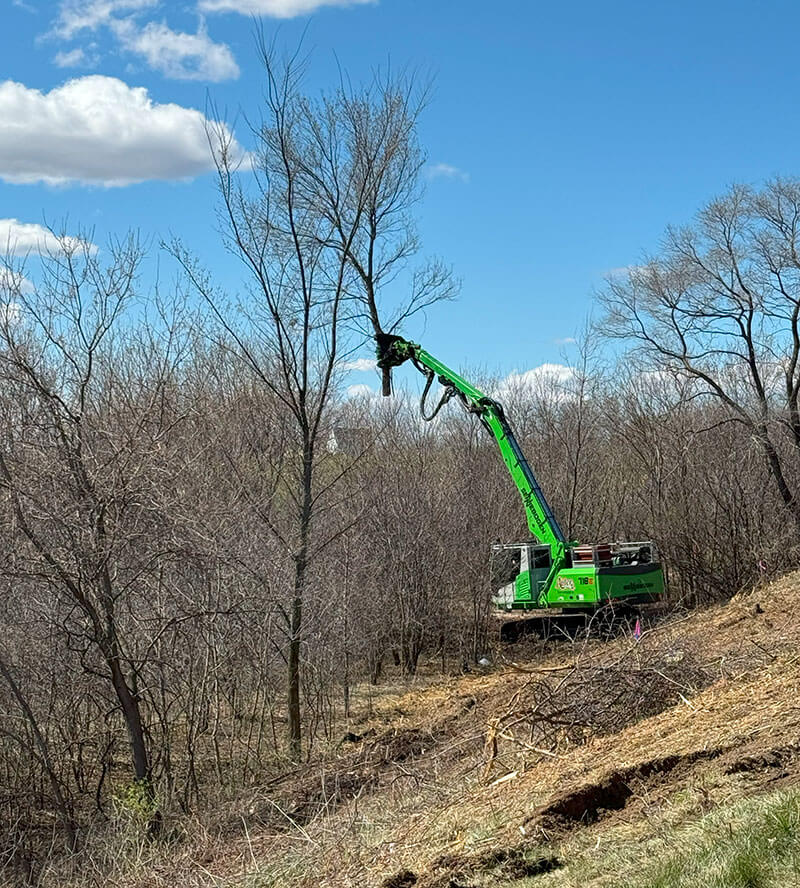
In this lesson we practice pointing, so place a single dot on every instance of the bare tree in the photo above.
(721, 306)
(320, 228)
(361, 166)
(80, 425)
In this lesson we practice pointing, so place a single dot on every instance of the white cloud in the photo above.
(73, 59)
(360, 365)
(274, 8)
(446, 171)
(565, 340)
(549, 373)
(551, 382)
(97, 130)
(176, 54)
(19, 238)
(75, 16)
(357, 392)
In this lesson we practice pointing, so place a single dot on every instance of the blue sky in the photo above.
(562, 137)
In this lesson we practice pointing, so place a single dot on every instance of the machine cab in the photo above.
(519, 573)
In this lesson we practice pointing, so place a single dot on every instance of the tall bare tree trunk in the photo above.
(296, 617)
(133, 719)
(776, 470)
(294, 662)
(131, 712)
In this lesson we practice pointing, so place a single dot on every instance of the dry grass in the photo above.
(420, 791)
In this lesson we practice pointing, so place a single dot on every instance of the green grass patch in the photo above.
(752, 843)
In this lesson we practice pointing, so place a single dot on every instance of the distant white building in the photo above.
(348, 441)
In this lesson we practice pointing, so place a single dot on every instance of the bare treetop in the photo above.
(721, 306)
(356, 164)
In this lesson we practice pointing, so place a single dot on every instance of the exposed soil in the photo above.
(403, 879)
(783, 759)
(460, 870)
(591, 802)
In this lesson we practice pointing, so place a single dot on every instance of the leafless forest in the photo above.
(205, 545)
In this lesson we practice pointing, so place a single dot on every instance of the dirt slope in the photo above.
(489, 779)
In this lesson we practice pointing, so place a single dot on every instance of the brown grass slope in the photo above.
(494, 778)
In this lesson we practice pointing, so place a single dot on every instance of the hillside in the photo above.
(598, 761)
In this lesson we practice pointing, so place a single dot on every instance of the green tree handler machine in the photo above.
(565, 584)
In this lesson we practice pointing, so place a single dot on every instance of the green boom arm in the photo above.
(542, 523)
